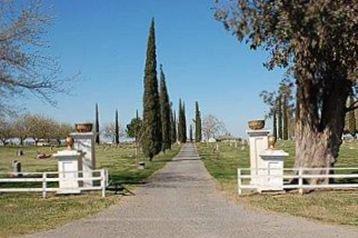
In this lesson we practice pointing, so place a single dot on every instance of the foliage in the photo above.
(316, 41)
(173, 127)
(182, 123)
(134, 128)
(152, 136)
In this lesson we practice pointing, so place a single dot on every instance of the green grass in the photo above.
(23, 213)
(339, 207)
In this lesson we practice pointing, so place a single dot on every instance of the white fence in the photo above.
(300, 174)
(47, 177)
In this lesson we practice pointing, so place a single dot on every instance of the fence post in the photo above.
(103, 183)
(239, 181)
(44, 176)
(300, 180)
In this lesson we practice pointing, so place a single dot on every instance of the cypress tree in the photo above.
(279, 117)
(274, 122)
(285, 117)
(172, 125)
(191, 133)
(164, 112)
(184, 127)
(97, 124)
(174, 134)
(351, 118)
(181, 123)
(116, 128)
(197, 123)
(152, 135)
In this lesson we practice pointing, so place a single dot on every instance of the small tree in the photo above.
(191, 133)
(134, 128)
(97, 125)
(6, 131)
(213, 127)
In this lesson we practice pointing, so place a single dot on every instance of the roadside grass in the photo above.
(340, 207)
(23, 213)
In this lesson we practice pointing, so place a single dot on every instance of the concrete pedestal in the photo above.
(85, 143)
(258, 142)
(271, 176)
(68, 171)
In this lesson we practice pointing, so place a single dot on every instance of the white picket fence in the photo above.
(247, 174)
(46, 177)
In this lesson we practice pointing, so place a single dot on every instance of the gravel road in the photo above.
(181, 201)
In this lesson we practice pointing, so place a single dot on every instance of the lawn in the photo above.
(340, 207)
(23, 213)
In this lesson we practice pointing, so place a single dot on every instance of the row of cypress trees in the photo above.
(159, 120)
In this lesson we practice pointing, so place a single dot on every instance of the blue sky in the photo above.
(106, 42)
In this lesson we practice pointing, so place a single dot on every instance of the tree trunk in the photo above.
(319, 128)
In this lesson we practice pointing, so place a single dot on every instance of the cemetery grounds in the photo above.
(339, 206)
(22, 213)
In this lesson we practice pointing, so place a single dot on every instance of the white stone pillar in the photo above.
(85, 143)
(271, 179)
(258, 142)
(68, 171)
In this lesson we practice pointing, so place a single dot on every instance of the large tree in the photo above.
(97, 124)
(152, 136)
(25, 66)
(317, 41)
(164, 112)
(197, 122)
(213, 127)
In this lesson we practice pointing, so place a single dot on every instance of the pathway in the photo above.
(181, 201)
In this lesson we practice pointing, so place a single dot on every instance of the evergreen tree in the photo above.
(274, 121)
(164, 112)
(152, 135)
(279, 116)
(191, 133)
(285, 114)
(197, 123)
(181, 123)
(97, 125)
(134, 128)
(116, 128)
(174, 127)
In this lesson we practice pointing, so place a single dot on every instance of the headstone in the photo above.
(85, 143)
(16, 168)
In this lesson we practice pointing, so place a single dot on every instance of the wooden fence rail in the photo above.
(44, 179)
(300, 174)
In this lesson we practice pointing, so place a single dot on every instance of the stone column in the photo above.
(68, 171)
(85, 143)
(258, 142)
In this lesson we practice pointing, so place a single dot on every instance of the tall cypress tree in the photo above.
(191, 133)
(116, 128)
(279, 116)
(97, 125)
(184, 127)
(172, 125)
(152, 135)
(197, 123)
(164, 112)
(285, 115)
(181, 123)
(174, 134)
(274, 123)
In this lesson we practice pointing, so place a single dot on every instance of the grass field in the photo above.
(23, 213)
(339, 207)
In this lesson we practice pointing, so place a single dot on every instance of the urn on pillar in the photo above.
(258, 142)
(84, 141)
